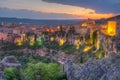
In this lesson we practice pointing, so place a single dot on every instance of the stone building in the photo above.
(111, 28)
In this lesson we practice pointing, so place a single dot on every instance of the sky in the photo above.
(59, 9)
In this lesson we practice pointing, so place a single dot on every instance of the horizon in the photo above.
(29, 22)
(38, 19)
(54, 18)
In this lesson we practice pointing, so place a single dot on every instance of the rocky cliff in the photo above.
(102, 69)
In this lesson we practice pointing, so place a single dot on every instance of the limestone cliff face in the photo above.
(102, 69)
(69, 69)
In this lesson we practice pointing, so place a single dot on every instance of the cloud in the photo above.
(24, 13)
(101, 6)
(79, 13)
(59, 9)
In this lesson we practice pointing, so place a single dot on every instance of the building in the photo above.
(112, 28)
(3, 36)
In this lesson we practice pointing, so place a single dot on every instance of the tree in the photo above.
(43, 71)
(12, 74)
(94, 37)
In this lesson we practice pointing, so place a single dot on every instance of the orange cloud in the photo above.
(94, 16)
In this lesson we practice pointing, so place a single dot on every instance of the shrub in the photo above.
(44, 71)
(12, 74)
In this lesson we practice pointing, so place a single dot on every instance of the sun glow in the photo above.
(76, 12)
(94, 15)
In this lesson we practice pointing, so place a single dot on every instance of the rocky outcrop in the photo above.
(10, 61)
(69, 69)
(2, 75)
(102, 69)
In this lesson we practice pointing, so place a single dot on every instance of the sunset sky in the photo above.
(59, 9)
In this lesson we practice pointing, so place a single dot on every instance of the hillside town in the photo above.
(59, 39)
(80, 41)
(75, 34)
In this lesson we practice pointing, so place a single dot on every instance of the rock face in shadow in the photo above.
(69, 69)
(10, 61)
(2, 75)
(102, 69)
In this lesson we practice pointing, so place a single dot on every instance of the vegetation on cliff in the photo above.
(33, 67)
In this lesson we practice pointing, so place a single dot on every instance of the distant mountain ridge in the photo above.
(38, 22)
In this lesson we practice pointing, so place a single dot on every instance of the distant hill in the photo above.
(37, 22)
(114, 18)
(104, 21)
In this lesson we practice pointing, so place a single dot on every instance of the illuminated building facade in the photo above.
(112, 28)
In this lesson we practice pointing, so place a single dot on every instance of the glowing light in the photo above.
(18, 41)
(58, 28)
(87, 48)
(40, 40)
(77, 43)
(32, 40)
(32, 43)
(40, 43)
(84, 24)
(52, 38)
(52, 30)
(98, 44)
(19, 44)
(111, 28)
(61, 41)
(33, 28)
(47, 30)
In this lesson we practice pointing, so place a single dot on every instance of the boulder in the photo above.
(10, 61)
